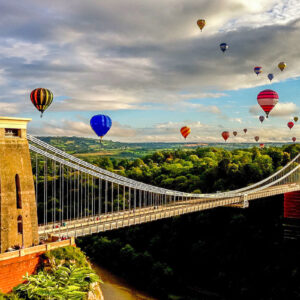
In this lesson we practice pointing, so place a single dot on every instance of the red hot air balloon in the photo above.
(245, 130)
(267, 99)
(290, 125)
(256, 138)
(261, 145)
(294, 139)
(235, 133)
(261, 119)
(225, 135)
(185, 131)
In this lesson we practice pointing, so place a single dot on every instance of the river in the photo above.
(116, 288)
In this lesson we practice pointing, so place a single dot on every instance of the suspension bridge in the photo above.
(75, 198)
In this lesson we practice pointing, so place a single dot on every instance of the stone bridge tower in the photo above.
(18, 211)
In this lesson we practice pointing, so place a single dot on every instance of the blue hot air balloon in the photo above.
(223, 47)
(100, 124)
(270, 76)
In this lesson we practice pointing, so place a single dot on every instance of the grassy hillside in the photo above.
(85, 147)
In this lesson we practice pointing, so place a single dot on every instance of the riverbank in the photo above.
(116, 288)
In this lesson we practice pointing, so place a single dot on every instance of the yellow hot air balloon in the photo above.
(282, 65)
(201, 23)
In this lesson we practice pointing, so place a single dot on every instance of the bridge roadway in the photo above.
(115, 220)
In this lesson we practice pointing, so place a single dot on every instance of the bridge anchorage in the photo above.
(70, 197)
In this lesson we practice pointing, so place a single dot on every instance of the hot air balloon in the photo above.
(282, 65)
(267, 99)
(223, 47)
(235, 133)
(293, 139)
(295, 119)
(257, 70)
(185, 131)
(256, 138)
(101, 125)
(245, 130)
(41, 98)
(261, 145)
(290, 125)
(261, 118)
(201, 23)
(225, 135)
(270, 76)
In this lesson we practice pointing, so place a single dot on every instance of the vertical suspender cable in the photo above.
(92, 196)
(36, 180)
(85, 196)
(124, 198)
(134, 200)
(112, 197)
(74, 192)
(129, 199)
(118, 197)
(106, 187)
(78, 195)
(100, 196)
(68, 179)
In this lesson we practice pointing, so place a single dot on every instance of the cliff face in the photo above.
(95, 293)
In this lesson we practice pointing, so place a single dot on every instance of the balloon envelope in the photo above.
(261, 118)
(201, 23)
(267, 99)
(257, 70)
(270, 76)
(235, 133)
(41, 98)
(223, 47)
(185, 131)
(294, 139)
(261, 145)
(100, 124)
(290, 125)
(256, 138)
(282, 65)
(245, 130)
(295, 119)
(225, 135)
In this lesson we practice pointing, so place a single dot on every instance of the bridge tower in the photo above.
(18, 211)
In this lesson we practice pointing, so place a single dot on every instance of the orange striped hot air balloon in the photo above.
(41, 99)
(201, 23)
(185, 131)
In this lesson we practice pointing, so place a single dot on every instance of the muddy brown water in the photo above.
(116, 288)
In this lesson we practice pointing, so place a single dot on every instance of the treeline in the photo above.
(203, 169)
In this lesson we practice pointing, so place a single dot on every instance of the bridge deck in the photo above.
(104, 222)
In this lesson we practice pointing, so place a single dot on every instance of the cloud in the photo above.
(280, 110)
(8, 108)
(150, 56)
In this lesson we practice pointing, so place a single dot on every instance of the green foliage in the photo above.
(69, 282)
(10, 296)
(69, 255)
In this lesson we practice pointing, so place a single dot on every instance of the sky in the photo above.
(147, 66)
